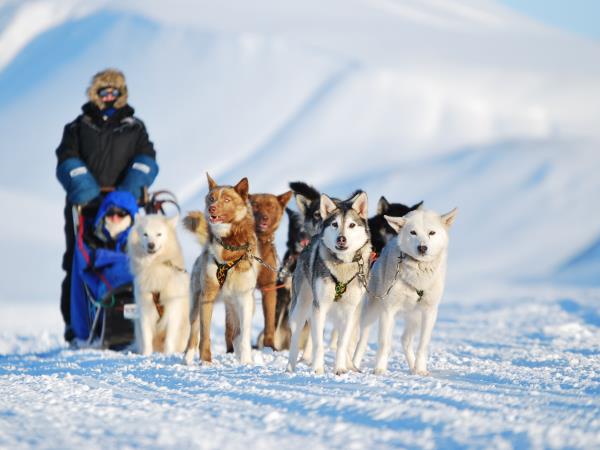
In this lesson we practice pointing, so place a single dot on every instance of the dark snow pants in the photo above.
(65, 294)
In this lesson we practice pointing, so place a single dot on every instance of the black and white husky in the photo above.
(328, 280)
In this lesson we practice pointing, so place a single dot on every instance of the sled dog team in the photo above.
(327, 273)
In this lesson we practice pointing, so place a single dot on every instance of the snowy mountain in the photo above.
(464, 104)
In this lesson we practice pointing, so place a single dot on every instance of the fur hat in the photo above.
(108, 77)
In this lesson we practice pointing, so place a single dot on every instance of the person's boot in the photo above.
(69, 334)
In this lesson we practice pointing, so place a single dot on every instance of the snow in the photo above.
(462, 103)
(517, 370)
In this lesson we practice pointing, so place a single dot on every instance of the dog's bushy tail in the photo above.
(300, 187)
(196, 223)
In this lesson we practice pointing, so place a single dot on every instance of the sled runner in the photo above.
(102, 300)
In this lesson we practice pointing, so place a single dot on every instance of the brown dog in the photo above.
(268, 210)
(225, 270)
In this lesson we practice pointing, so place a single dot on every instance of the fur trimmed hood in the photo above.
(108, 77)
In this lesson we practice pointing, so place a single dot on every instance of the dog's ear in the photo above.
(382, 206)
(303, 204)
(327, 206)
(360, 205)
(395, 222)
(448, 218)
(211, 183)
(284, 198)
(242, 188)
(416, 206)
(173, 221)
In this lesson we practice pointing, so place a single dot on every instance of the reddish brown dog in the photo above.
(226, 268)
(268, 210)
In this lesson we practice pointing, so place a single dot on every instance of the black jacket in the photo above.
(106, 145)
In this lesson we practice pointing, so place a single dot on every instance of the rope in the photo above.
(272, 288)
(363, 279)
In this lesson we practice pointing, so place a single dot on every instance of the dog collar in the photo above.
(357, 256)
(232, 248)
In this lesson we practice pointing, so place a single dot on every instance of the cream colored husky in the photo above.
(407, 278)
(161, 285)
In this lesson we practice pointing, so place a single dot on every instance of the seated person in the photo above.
(114, 220)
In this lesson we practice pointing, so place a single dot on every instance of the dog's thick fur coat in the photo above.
(327, 280)
(231, 240)
(268, 211)
(157, 265)
(418, 256)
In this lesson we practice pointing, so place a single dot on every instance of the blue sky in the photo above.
(578, 16)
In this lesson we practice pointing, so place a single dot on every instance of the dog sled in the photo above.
(102, 299)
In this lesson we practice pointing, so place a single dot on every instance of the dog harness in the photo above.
(420, 292)
(340, 286)
(222, 269)
(160, 309)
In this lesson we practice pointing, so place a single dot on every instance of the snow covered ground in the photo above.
(519, 369)
(462, 103)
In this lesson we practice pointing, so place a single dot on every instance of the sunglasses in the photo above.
(117, 212)
(106, 91)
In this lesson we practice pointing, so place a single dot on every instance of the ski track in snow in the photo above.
(521, 372)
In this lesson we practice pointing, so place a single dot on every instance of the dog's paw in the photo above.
(188, 358)
(341, 371)
(421, 372)
(319, 370)
(206, 356)
(379, 371)
(291, 368)
(246, 360)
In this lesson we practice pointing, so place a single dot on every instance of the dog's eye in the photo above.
(317, 215)
(431, 233)
(145, 234)
(226, 199)
(158, 234)
(352, 225)
(211, 199)
(334, 224)
(413, 232)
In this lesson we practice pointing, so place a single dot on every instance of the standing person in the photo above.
(105, 146)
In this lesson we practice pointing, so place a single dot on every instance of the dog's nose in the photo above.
(341, 240)
(151, 245)
(422, 249)
(212, 209)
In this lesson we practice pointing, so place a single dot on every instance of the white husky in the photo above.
(408, 277)
(161, 285)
